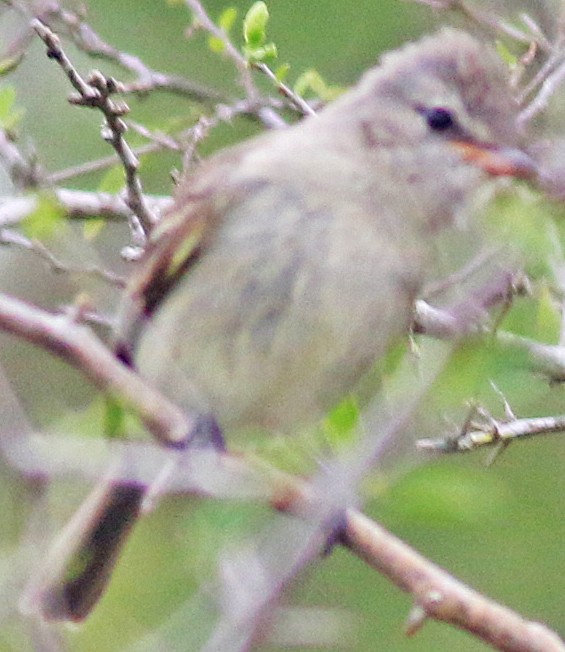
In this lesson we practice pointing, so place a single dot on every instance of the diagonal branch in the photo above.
(77, 345)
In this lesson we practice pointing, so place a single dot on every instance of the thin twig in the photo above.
(76, 204)
(23, 171)
(95, 93)
(203, 20)
(188, 138)
(494, 433)
(148, 79)
(298, 102)
(551, 84)
(97, 165)
(483, 18)
(13, 238)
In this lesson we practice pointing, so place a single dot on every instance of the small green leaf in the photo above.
(264, 53)
(548, 317)
(282, 71)
(255, 24)
(510, 59)
(9, 115)
(311, 80)
(45, 219)
(216, 44)
(227, 19)
(340, 424)
(114, 419)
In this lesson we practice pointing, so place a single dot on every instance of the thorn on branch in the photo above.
(415, 621)
(419, 613)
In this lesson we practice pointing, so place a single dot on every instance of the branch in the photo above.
(77, 204)
(147, 79)
(186, 139)
(23, 172)
(488, 20)
(95, 92)
(436, 594)
(299, 103)
(77, 345)
(493, 433)
(548, 88)
(10, 237)
(265, 113)
(205, 22)
(440, 596)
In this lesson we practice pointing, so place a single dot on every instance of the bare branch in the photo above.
(96, 92)
(494, 433)
(77, 204)
(78, 346)
(441, 596)
(541, 101)
(546, 359)
(483, 18)
(13, 238)
(147, 79)
(23, 171)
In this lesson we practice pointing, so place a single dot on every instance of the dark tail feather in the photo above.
(78, 568)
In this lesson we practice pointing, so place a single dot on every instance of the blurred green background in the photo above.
(501, 529)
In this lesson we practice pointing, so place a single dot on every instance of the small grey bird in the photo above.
(289, 264)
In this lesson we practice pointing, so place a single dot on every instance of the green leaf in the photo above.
(9, 115)
(216, 44)
(264, 53)
(548, 317)
(114, 419)
(225, 23)
(45, 219)
(227, 19)
(282, 71)
(254, 33)
(255, 24)
(341, 423)
(311, 80)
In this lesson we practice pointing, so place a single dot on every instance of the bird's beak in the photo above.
(498, 161)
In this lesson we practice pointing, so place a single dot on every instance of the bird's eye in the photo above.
(438, 118)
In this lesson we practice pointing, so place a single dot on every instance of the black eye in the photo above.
(438, 118)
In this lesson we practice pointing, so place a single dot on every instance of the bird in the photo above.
(289, 264)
